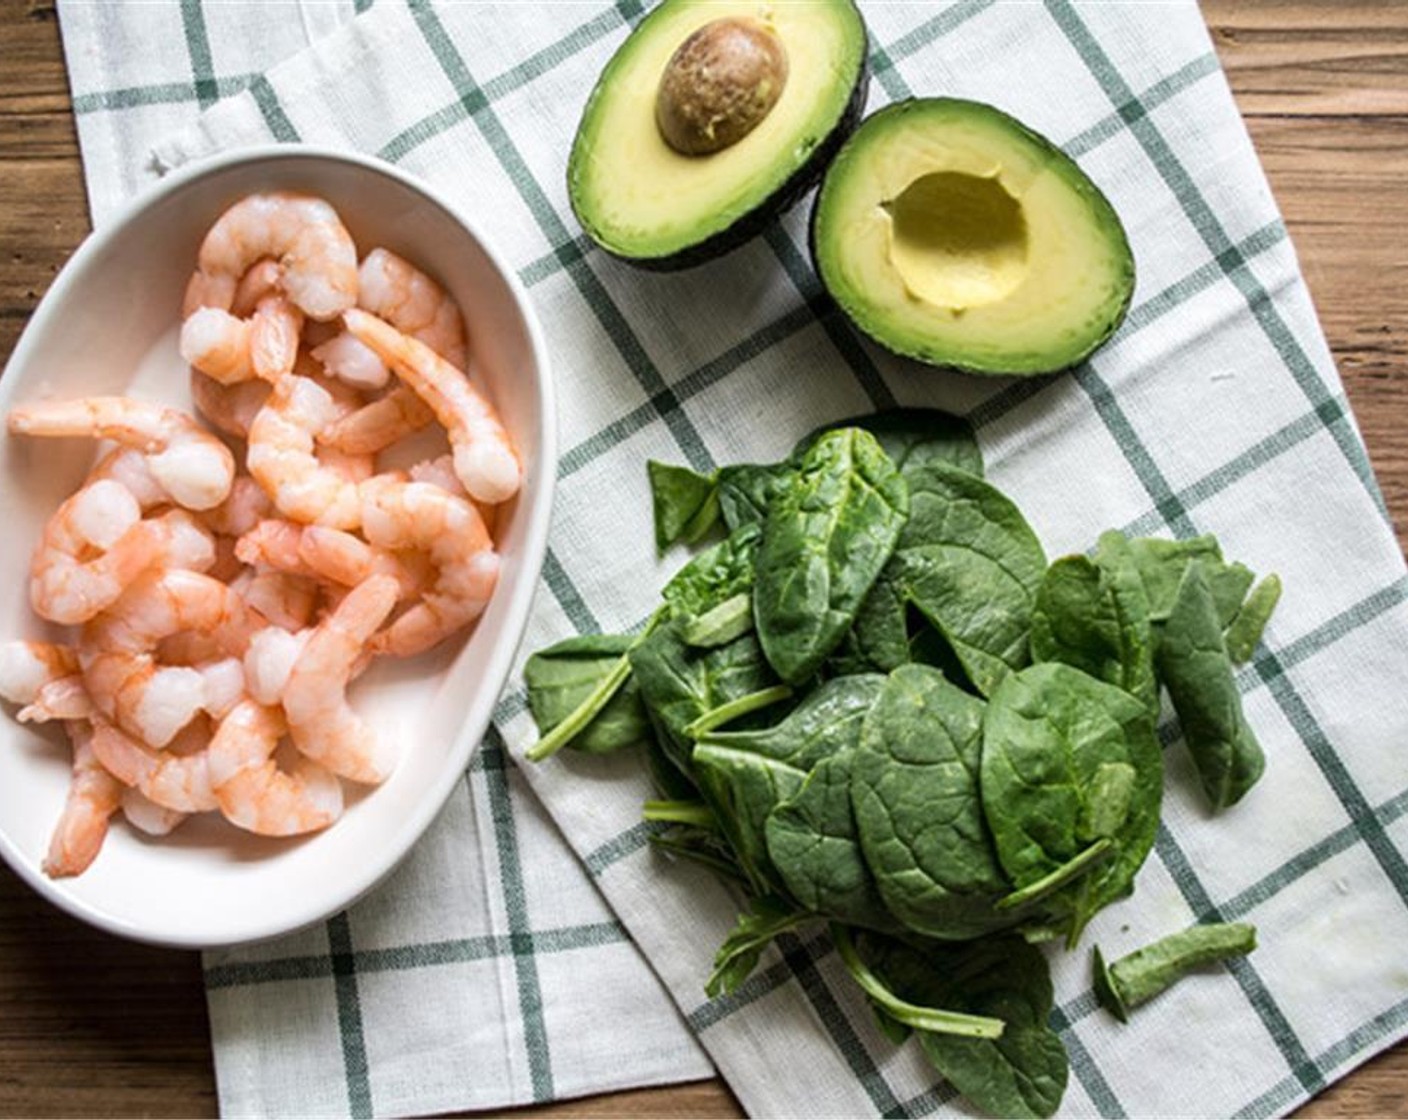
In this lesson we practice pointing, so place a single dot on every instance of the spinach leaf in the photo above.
(744, 787)
(1161, 566)
(738, 956)
(971, 564)
(828, 720)
(561, 677)
(912, 437)
(679, 682)
(1245, 630)
(1023, 1072)
(813, 845)
(1094, 615)
(1197, 671)
(686, 504)
(715, 576)
(746, 489)
(914, 788)
(1051, 734)
(720, 625)
(826, 538)
(1143, 974)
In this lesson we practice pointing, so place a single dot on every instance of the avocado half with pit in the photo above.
(951, 233)
(711, 118)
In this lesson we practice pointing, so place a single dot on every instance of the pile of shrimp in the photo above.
(224, 586)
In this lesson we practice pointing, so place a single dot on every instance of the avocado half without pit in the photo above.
(951, 233)
(711, 118)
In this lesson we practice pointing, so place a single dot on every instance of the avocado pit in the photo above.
(719, 85)
(957, 241)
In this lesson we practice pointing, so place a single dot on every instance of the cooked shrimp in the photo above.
(191, 465)
(117, 651)
(64, 698)
(231, 350)
(180, 782)
(93, 797)
(271, 656)
(323, 725)
(69, 584)
(485, 460)
(284, 600)
(283, 456)
(381, 423)
(395, 290)
(316, 257)
(243, 508)
(128, 467)
(253, 792)
(145, 815)
(26, 667)
(448, 530)
(229, 408)
(319, 552)
(224, 684)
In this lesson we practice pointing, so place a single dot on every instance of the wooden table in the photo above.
(93, 1025)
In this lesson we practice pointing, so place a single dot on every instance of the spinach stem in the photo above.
(680, 812)
(932, 1019)
(1144, 973)
(735, 709)
(729, 620)
(580, 716)
(1083, 863)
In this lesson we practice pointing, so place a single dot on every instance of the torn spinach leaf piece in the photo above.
(718, 574)
(755, 930)
(1023, 1072)
(826, 538)
(1161, 565)
(912, 437)
(746, 489)
(1245, 630)
(970, 563)
(1094, 615)
(812, 842)
(685, 503)
(1143, 974)
(561, 677)
(919, 817)
(1051, 735)
(1197, 672)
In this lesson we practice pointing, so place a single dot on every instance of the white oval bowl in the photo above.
(109, 324)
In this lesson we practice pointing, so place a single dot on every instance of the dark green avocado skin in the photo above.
(783, 199)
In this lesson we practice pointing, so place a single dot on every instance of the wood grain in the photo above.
(99, 1026)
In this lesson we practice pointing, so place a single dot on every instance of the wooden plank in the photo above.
(100, 1026)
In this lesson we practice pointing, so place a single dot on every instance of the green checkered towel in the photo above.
(1216, 408)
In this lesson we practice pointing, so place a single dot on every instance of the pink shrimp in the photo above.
(318, 552)
(283, 456)
(230, 408)
(253, 792)
(191, 465)
(303, 235)
(64, 698)
(117, 651)
(450, 532)
(484, 458)
(26, 667)
(173, 781)
(279, 598)
(145, 815)
(94, 796)
(323, 725)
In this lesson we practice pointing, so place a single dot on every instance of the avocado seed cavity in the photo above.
(958, 241)
(719, 85)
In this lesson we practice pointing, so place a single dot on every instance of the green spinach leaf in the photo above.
(828, 720)
(914, 788)
(1094, 615)
(738, 956)
(1161, 565)
(1245, 630)
(686, 504)
(826, 538)
(744, 788)
(1023, 1072)
(1197, 671)
(1051, 735)
(746, 489)
(561, 677)
(715, 576)
(971, 564)
(912, 437)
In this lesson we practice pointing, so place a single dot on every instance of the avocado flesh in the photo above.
(951, 233)
(642, 200)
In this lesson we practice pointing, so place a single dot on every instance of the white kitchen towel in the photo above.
(1215, 408)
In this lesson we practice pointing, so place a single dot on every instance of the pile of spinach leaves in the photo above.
(871, 701)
